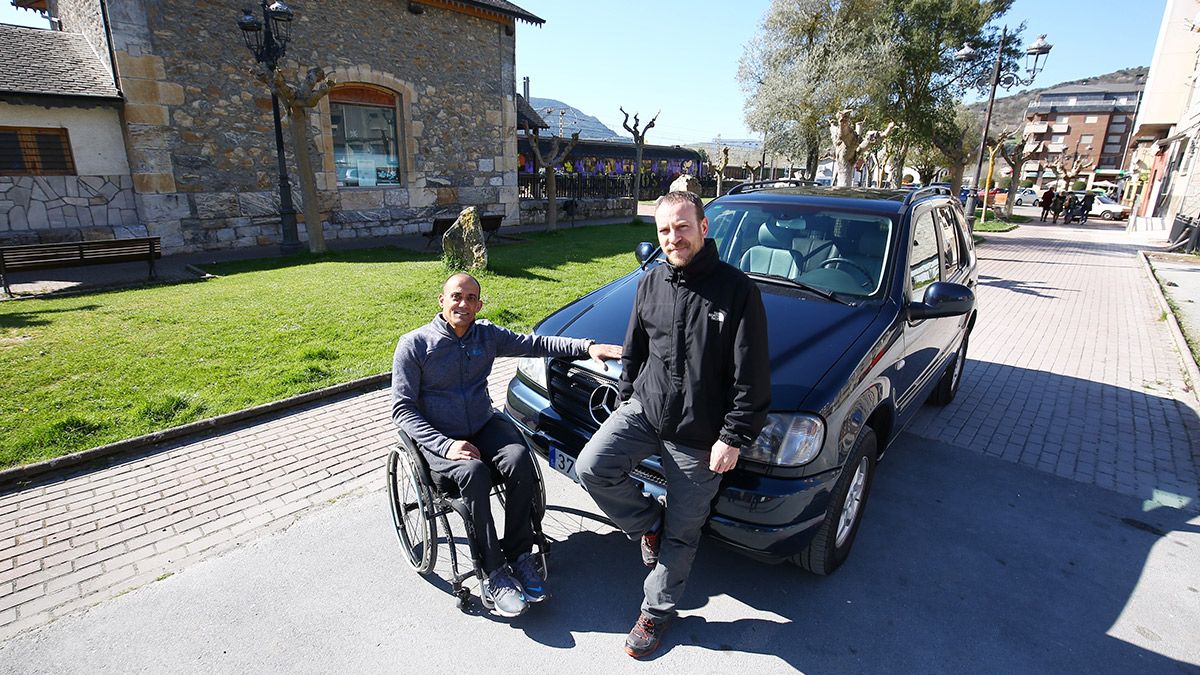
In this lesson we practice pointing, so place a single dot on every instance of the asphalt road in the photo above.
(964, 563)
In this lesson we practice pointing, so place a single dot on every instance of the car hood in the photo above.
(807, 335)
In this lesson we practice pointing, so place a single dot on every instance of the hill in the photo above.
(1009, 111)
(573, 119)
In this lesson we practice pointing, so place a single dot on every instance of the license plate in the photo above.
(563, 463)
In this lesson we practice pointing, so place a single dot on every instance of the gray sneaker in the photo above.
(501, 594)
(526, 572)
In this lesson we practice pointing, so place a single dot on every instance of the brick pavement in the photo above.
(1071, 368)
(1070, 372)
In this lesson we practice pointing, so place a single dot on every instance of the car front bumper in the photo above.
(765, 517)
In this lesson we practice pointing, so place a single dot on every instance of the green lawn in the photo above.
(87, 370)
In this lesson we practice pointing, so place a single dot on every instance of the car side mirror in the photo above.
(942, 298)
(643, 252)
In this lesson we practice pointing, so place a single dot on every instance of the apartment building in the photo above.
(1088, 122)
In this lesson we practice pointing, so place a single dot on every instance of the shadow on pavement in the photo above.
(963, 564)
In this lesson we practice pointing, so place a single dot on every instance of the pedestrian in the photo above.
(1056, 205)
(1047, 200)
(440, 398)
(1069, 207)
(1085, 206)
(695, 388)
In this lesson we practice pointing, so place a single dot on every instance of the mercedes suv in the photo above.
(870, 305)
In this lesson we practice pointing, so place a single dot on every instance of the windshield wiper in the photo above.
(787, 281)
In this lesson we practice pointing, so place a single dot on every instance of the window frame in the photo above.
(365, 95)
(31, 155)
(908, 257)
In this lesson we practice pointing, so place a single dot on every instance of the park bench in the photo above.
(77, 254)
(490, 225)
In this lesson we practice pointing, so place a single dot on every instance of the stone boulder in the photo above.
(462, 245)
(686, 183)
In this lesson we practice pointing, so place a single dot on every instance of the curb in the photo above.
(18, 474)
(1185, 353)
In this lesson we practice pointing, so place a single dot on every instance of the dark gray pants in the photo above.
(500, 445)
(624, 440)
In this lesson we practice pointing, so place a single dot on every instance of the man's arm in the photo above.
(750, 395)
(637, 347)
(406, 387)
(509, 343)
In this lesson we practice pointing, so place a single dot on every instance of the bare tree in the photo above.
(1016, 153)
(850, 143)
(297, 100)
(994, 146)
(1067, 171)
(547, 161)
(639, 142)
(720, 166)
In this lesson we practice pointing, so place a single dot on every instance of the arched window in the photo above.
(366, 144)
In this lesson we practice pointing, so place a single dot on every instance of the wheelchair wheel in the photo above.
(412, 511)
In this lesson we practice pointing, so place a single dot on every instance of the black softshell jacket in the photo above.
(696, 353)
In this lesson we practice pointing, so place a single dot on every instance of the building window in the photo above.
(1116, 128)
(1058, 138)
(365, 139)
(1114, 138)
(1063, 119)
(1112, 148)
(1085, 138)
(1091, 119)
(1118, 119)
(35, 152)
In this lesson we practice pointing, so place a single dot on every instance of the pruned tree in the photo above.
(1068, 170)
(297, 100)
(719, 167)
(547, 161)
(994, 146)
(1016, 152)
(850, 143)
(639, 142)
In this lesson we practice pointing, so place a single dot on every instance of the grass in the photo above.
(86, 370)
(991, 221)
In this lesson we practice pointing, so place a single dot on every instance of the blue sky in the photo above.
(681, 56)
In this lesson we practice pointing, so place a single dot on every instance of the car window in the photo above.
(924, 267)
(951, 256)
(839, 251)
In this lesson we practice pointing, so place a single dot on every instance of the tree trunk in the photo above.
(637, 175)
(897, 167)
(956, 177)
(551, 199)
(297, 123)
(812, 161)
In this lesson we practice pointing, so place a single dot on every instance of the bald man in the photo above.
(440, 399)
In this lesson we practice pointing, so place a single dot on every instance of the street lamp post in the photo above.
(267, 39)
(1007, 79)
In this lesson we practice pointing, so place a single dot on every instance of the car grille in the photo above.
(571, 389)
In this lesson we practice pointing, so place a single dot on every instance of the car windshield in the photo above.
(837, 251)
(1105, 199)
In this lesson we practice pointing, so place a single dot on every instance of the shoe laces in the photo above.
(526, 567)
(645, 625)
(500, 580)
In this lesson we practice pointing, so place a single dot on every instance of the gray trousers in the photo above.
(623, 441)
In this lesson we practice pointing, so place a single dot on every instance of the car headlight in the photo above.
(534, 370)
(788, 439)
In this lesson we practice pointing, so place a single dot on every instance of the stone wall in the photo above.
(533, 211)
(84, 16)
(200, 135)
(36, 209)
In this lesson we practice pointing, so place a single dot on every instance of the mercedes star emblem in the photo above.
(602, 402)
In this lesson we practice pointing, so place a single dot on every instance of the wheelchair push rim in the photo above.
(412, 512)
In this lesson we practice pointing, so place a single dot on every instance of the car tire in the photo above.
(947, 387)
(831, 545)
(1020, 203)
(1107, 215)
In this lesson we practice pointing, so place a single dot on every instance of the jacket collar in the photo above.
(442, 326)
(701, 264)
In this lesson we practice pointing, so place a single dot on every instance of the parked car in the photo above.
(1104, 206)
(1027, 196)
(870, 307)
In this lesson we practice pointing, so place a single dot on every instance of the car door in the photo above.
(921, 341)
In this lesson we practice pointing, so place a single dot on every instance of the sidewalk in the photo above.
(1070, 373)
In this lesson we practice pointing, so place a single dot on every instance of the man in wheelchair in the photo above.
(440, 399)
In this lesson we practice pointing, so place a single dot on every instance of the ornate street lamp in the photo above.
(267, 39)
(1034, 64)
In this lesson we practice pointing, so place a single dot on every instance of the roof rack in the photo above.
(925, 192)
(764, 184)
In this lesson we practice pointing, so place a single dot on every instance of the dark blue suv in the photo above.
(870, 305)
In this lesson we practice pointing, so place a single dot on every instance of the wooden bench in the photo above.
(77, 254)
(490, 225)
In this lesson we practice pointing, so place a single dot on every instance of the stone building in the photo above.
(1088, 121)
(421, 123)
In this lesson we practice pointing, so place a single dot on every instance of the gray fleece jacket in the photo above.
(439, 380)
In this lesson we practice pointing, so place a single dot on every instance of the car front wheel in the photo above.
(1107, 215)
(831, 546)
(1020, 202)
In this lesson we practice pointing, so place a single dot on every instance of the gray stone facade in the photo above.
(36, 209)
(200, 136)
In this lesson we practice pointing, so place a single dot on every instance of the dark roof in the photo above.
(1108, 88)
(48, 62)
(527, 116)
(502, 7)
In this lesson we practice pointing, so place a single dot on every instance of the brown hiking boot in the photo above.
(645, 636)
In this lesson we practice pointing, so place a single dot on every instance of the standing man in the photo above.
(1047, 201)
(440, 399)
(1085, 205)
(696, 388)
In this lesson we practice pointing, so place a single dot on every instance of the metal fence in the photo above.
(575, 186)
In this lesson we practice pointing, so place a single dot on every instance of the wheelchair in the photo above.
(421, 500)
